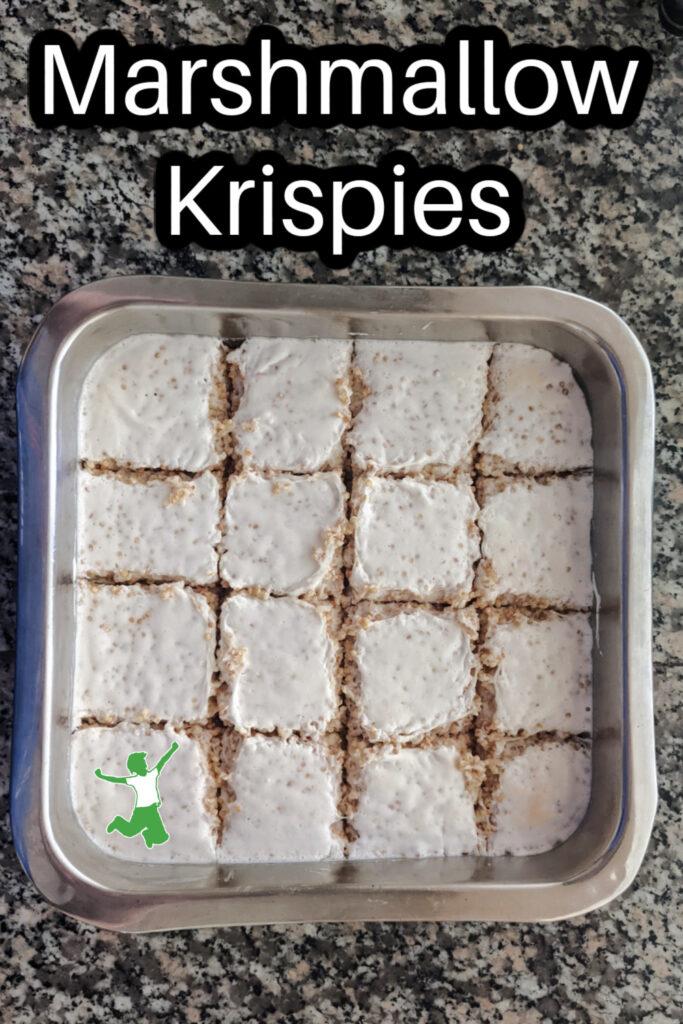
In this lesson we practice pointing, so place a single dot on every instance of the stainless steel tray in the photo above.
(597, 863)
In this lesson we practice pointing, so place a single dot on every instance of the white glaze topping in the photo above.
(415, 673)
(414, 803)
(295, 402)
(542, 799)
(143, 652)
(415, 538)
(536, 538)
(424, 407)
(278, 661)
(542, 681)
(539, 418)
(151, 529)
(282, 532)
(285, 804)
(148, 402)
(183, 786)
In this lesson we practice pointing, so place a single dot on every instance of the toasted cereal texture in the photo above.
(541, 797)
(538, 667)
(411, 669)
(183, 786)
(282, 798)
(422, 405)
(294, 403)
(143, 653)
(284, 533)
(149, 528)
(537, 418)
(535, 544)
(413, 802)
(153, 401)
(414, 539)
(279, 661)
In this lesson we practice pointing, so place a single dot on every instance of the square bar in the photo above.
(537, 419)
(421, 405)
(182, 792)
(538, 672)
(144, 653)
(154, 402)
(414, 802)
(541, 797)
(535, 546)
(279, 661)
(284, 533)
(281, 802)
(411, 669)
(414, 539)
(294, 400)
(138, 527)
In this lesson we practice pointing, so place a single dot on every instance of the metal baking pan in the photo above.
(592, 867)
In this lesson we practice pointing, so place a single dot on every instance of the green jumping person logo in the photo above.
(145, 781)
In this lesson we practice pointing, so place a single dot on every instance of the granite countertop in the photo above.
(604, 220)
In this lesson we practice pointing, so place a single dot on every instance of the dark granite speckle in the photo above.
(603, 219)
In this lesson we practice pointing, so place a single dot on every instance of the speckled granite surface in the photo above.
(604, 219)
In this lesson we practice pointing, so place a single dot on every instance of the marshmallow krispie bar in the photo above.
(414, 539)
(410, 669)
(283, 533)
(538, 672)
(413, 802)
(280, 802)
(421, 405)
(541, 797)
(184, 786)
(294, 403)
(143, 652)
(156, 403)
(537, 418)
(155, 528)
(536, 542)
(279, 662)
